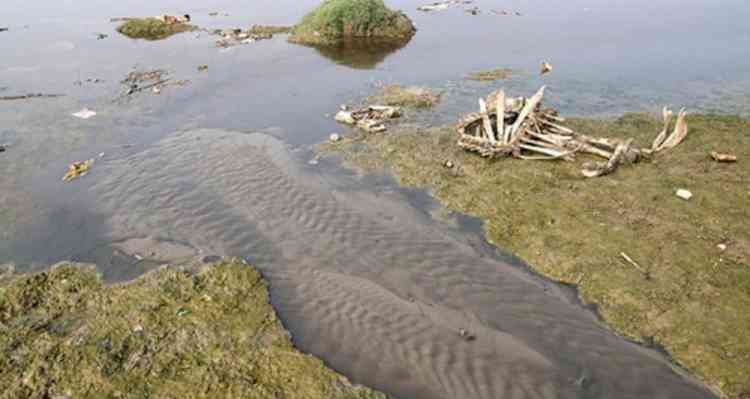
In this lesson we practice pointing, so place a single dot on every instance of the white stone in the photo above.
(684, 194)
(334, 137)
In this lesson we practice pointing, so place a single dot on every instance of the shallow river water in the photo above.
(360, 272)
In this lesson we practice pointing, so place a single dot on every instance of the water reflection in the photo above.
(362, 53)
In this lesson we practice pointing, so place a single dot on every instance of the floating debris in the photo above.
(85, 113)
(444, 5)
(233, 37)
(29, 96)
(78, 169)
(202, 68)
(494, 74)
(217, 14)
(719, 157)
(101, 36)
(545, 68)
(521, 128)
(369, 118)
(89, 80)
(154, 80)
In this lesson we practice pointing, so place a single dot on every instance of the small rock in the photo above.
(343, 107)
(334, 137)
(138, 328)
(722, 247)
(2, 148)
(211, 259)
(449, 164)
(156, 90)
(463, 333)
(202, 68)
(684, 194)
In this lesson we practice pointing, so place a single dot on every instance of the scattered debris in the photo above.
(545, 68)
(174, 20)
(101, 36)
(494, 74)
(89, 80)
(85, 113)
(334, 137)
(684, 194)
(473, 11)
(369, 118)
(443, 5)
(28, 96)
(202, 68)
(504, 12)
(521, 128)
(154, 80)
(720, 157)
(233, 37)
(78, 169)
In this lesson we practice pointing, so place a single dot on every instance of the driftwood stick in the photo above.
(27, 96)
(527, 109)
(633, 263)
(500, 104)
(486, 120)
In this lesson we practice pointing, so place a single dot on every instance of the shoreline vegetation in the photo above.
(659, 269)
(197, 331)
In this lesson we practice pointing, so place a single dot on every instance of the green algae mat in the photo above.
(169, 334)
(690, 292)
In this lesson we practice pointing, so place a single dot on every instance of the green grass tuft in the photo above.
(152, 29)
(335, 20)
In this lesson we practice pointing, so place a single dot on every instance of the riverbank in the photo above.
(692, 283)
(171, 333)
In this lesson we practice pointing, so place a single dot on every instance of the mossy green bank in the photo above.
(169, 334)
(692, 293)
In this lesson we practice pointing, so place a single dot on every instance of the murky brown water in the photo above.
(362, 276)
